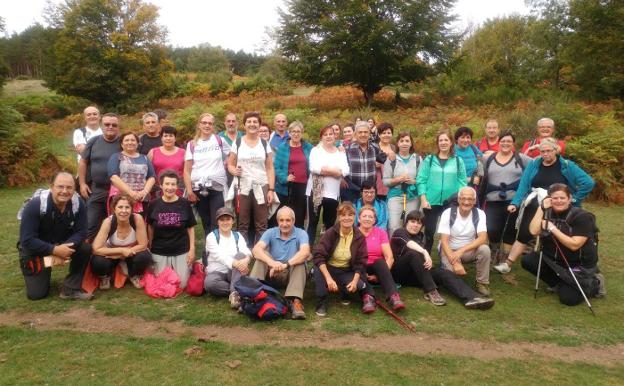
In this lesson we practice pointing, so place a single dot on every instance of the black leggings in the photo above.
(524, 236)
(295, 201)
(137, 264)
(408, 269)
(342, 277)
(431, 222)
(207, 207)
(381, 270)
(329, 207)
(496, 216)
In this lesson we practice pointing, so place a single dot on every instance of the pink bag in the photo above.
(195, 284)
(165, 285)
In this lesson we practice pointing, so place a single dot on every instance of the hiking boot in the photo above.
(321, 307)
(296, 309)
(136, 281)
(70, 294)
(235, 300)
(479, 304)
(483, 289)
(395, 302)
(502, 268)
(368, 304)
(602, 291)
(105, 282)
(435, 298)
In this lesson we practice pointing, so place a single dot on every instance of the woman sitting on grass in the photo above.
(122, 239)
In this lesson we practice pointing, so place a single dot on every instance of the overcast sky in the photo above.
(238, 24)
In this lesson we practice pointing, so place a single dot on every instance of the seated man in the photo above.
(369, 197)
(463, 239)
(52, 231)
(228, 258)
(281, 254)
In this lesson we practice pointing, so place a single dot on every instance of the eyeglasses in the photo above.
(368, 192)
(111, 124)
(206, 123)
(546, 151)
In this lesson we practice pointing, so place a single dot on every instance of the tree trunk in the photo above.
(368, 97)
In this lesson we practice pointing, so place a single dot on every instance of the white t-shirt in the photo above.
(252, 160)
(463, 231)
(82, 139)
(221, 255)
(208, 158)
(320, 158)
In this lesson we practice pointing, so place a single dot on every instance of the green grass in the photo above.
(24, 87)
(28, 357)
(515, 317)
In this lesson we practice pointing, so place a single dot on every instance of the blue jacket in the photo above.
(382, 213)
(579, 182)
(280, 163)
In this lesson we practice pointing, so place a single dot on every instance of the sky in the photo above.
(239, 24)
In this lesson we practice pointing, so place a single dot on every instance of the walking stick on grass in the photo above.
(395, 316)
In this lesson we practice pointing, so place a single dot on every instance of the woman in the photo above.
(470, 155)
(228, 258)
(292, 160)
(122, 238)
(550, 168)
(502, 173)
(374, 132)
(168, 156)
(131, 173)
(439, 177)
(327, 168)
(413, 267)
(385, 144)
(380, 259)
(251, 164)
(545, 129)
(264, 132)
(400, 176)
(204, 172)
(171, 229)
(340, 259)
(568, 237)
(347, 134)
(337, 131)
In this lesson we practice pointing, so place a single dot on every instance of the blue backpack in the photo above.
(259, 300)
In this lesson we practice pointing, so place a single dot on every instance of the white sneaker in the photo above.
(502, 268)
(136, 282)
(235, 300)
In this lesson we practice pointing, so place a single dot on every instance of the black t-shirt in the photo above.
(148, 143)
(581, 224)
(97, 152)
(170, 221)
(401, 237)
(548, 175)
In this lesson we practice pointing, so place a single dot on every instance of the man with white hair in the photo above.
(545, 129)
(92, 128)
(151, 137)
(463, 239)
(280, 257)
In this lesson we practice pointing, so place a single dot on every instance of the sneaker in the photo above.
(235, 300)
(296, 309)
(435, 298)
(395, 302)
(368, 304)
(502, 268)
(345, 300)
(479, 304)
(136, 282)
(69, 294)
(483, 289)
(602, 290)
(105, 282)
(321, 307)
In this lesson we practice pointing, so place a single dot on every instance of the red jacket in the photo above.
(325, 247)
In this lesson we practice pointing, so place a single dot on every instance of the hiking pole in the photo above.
(404, 188)
(539, 265)
(574, 276)
(395, 316)
(502, 240)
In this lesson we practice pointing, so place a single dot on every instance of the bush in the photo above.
(44, 108)
(218, 82)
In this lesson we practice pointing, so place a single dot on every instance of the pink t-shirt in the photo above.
(162, 162)
(374, 240)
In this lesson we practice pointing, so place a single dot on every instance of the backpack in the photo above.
(264, 145)
(218, 237)
(195, 283)
(453, 204)
(574, 213)
(483, 190)
(219, 141)
(43, 195)
(433, 155)
(259, 300)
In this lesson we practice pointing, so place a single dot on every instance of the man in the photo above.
(369, 197)
(92, 129)
(93, 172)
(281, 254)
(489, 143)
(231, 132)
(52, 232)
(362, 156)
(545, 129)
(462, 241)
(162, 117)
(280, 134)
(151, 137)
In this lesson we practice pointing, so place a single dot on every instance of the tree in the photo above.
(110, 51)
(367, 43)
(4, 69)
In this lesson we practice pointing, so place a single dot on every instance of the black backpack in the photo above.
(452, 203)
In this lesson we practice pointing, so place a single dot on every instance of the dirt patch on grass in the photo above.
(89, 321)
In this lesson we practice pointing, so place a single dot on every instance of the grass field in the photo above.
(24, 87)
(82, 356)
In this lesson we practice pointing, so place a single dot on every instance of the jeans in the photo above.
(96, 210)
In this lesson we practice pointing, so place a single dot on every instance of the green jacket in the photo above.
(438, 183)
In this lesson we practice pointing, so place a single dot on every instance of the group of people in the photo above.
(260, 197)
